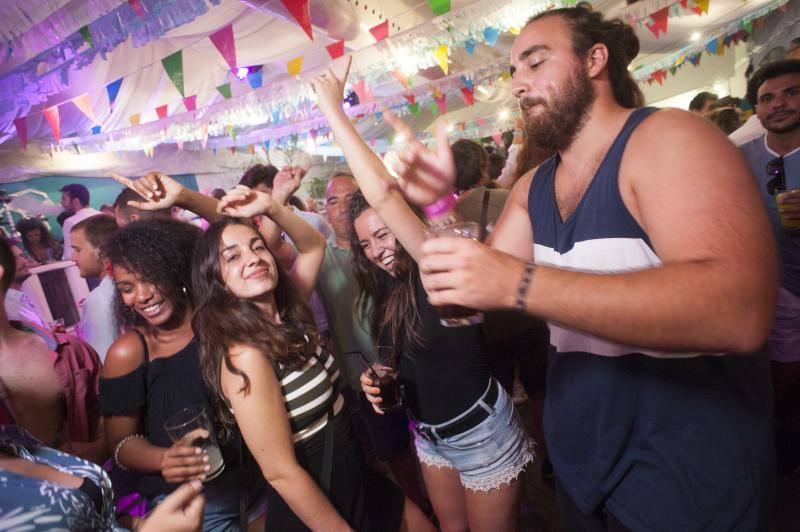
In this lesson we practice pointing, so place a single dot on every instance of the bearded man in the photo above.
(644, 245)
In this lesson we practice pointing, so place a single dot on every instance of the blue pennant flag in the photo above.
(469, 46)
(95, 130)
(255, 79)
(467, 82)
(490, 35)
(113, 89)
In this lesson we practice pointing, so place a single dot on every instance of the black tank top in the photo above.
(445, 373)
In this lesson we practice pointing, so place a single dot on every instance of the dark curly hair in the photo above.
(387, 304)
(221, 319)
(26, 225)
(158, 251)
(472, 164)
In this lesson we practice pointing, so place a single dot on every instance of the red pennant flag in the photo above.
(402, 78)
(161, 111)
(659, 75)
(190, 102)
(381, 31)
(137, 7)
(22, 131)
(52, 116)
(223, 41)
(335, 50)
(410, 98)
(468, 95)
(301, 13)
(684, 4)
(659, 24)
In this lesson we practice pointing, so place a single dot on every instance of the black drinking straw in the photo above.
(367, 362)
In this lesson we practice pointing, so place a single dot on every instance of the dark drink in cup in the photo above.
(390, 387)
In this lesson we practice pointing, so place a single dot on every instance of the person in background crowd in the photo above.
(645, 229)
(152, 371)
(50, 379)
(107, 209)
(702, 102)
(18, 306)
(775, 161)
(37, 241)
(75, 200)
(386, 437)
(468, 436)
(124, 213)
(496, 163)
(97, 326)
(727, 119)
(261, 354)
(44, 489)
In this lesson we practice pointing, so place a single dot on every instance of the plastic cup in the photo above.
(192, 427)
(456, 315)
(786, 223)
(382, 369)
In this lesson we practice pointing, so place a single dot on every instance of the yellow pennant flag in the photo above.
(295, 66)
(440, 54)
(135, 119)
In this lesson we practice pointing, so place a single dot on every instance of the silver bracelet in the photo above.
(122, 442)
(522, 288)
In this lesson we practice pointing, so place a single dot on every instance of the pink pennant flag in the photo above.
(223, 40)
(498, 139)
(137, 7)
(481, 121)
(468, 95)
(22, 131)
(441, 103)
(190, 102)
(360, 88)
(52, 116)
(161, 111)
(336, 50)
(84, 106)
(381, 31)
(301, 13)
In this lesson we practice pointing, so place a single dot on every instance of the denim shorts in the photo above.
(486, 456)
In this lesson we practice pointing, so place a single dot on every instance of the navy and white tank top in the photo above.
(664, 443)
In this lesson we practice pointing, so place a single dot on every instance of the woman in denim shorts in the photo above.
(468, 437)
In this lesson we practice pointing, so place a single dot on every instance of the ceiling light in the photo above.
(696, 36)
(504, 114)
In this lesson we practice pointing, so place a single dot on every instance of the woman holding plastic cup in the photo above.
(152, 371)
(468, 437)
(262, 356)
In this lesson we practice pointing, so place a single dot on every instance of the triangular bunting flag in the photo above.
(86, 35)
(414, 108)
(223, 41)
(467, 82)
(440, 55)
(137, 7)
(52, 116)
(134, 119)
(694, 59)
(441, 103)
(161, 111)
(255, 79)
(481, 121)
(295, 66)
(84, 106)
(439, 7)
(659, 24)
(96, 130)
(251, 149)
(381, 31)
(113, 89)
(711, 46)
(22, 131)
(301, 13)
(720, 46)
(490, 35)
(660, 75)
(409, 97)
(402, 78)
(498, 139)
(684, 3)
(434, 109)
(358, 88)
(469, 46)
(336, 50)
(225, 90)
(233, 151)
(468, 95)
(173, 64)
(190, 102)
(700, 6)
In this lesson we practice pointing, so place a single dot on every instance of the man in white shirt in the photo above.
(75, 199)
(18, 306)
(97, 327)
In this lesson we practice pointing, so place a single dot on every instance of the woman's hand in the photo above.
(159, 190)
(329, 88)
(181, 511)
(181, 463)
(372, 392)
(244, 202)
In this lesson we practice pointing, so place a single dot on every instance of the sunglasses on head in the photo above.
(778, 181)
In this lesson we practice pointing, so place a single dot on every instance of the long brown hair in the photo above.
(222, 319)
(387, 304)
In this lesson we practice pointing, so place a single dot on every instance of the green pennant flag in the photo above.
(673, 70)
(748, 27)
(225, 91)
(173, 64)
(440, 7)
(434, 109)
(86, 35)
(414, 108)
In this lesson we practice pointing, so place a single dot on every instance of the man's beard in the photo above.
(783, 129)
(562, 118)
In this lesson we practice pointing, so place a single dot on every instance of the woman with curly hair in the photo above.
(468, 437)
(152, 371)
(37, 241)
(261, 353)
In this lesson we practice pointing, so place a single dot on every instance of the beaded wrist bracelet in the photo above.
(122, 442)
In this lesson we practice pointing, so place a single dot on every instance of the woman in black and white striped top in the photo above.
(260, 351)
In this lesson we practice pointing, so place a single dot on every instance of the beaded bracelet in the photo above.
(522, 288)
(122, 442)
